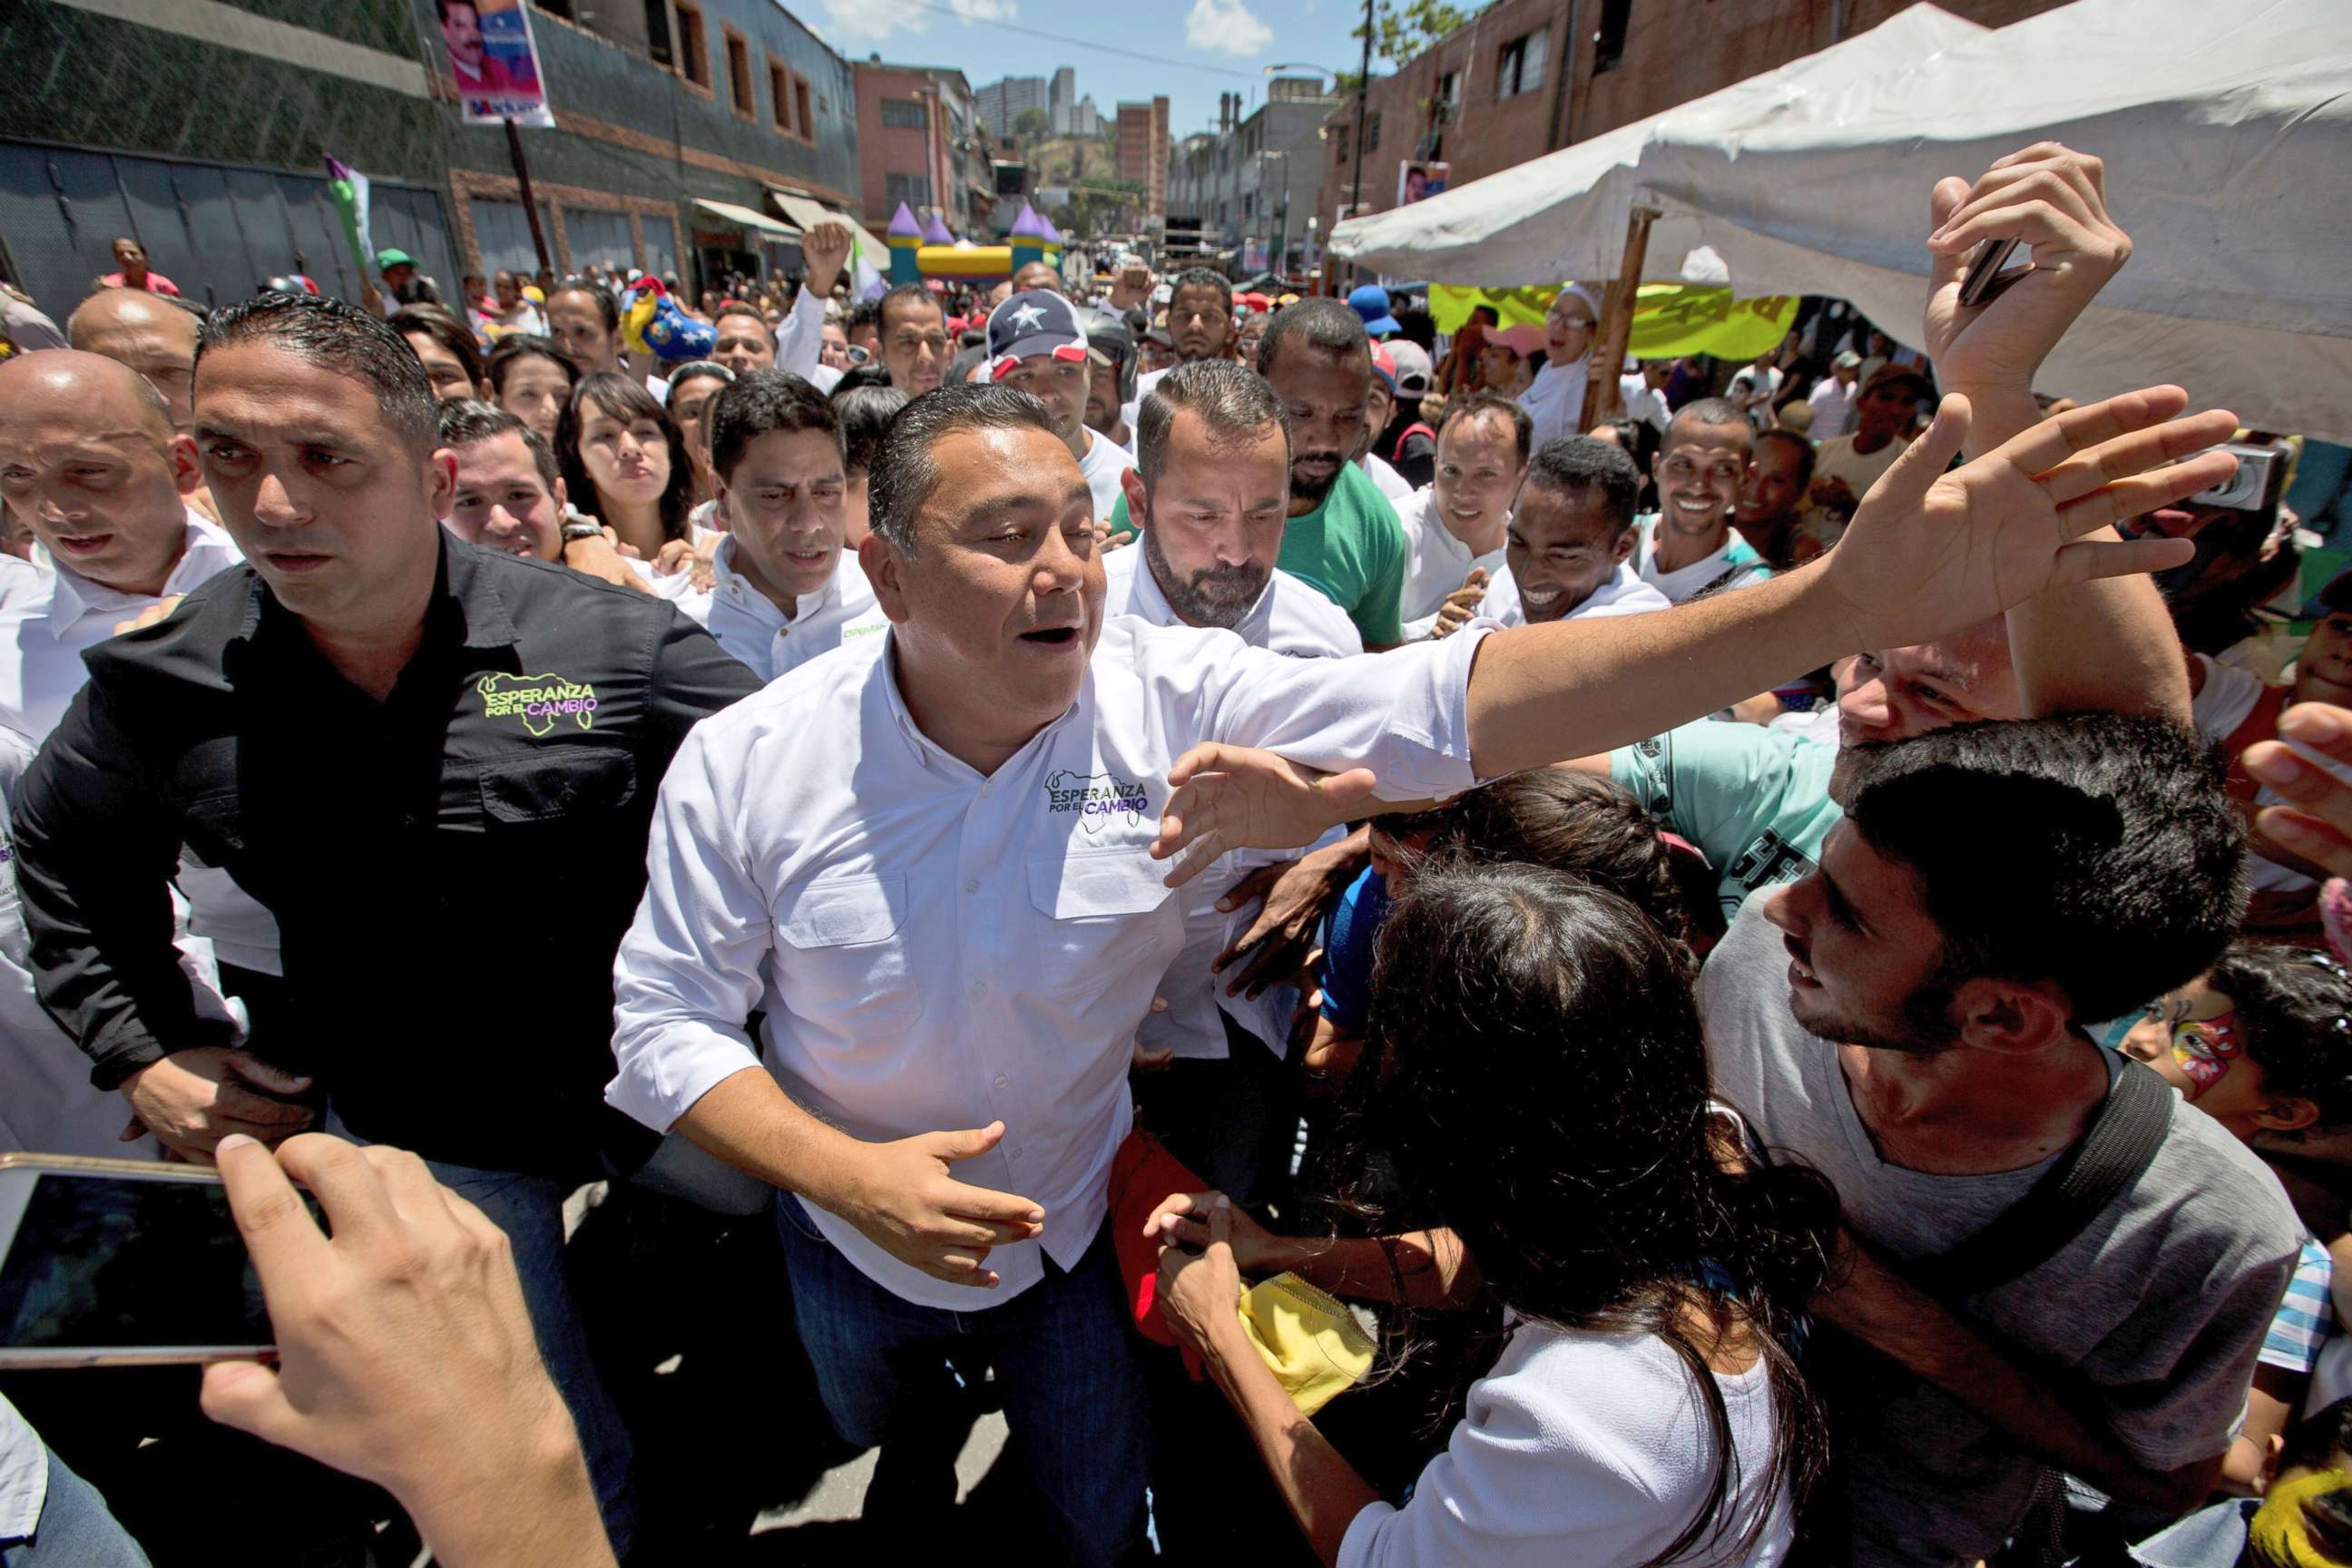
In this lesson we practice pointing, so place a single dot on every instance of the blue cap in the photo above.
(1035, 321)
(1371, 303)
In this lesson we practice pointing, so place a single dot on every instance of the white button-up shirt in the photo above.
(1436, 563)
(1105, 462)
(1291, 617)
(749, 624)
(49, 612)
(1555, 404)
(932, 948)
(1625, 593)
(799, 342)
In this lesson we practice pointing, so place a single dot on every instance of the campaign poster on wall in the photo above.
(1418, 179)
(489, 45)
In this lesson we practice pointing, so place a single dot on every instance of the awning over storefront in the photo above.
(808, 212)
(744, 217)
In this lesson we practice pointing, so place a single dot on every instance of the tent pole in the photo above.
(1600, 395)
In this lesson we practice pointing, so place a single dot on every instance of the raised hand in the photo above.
(1237, 798)
(2317, 827)
(2054, 199)
(825, 248)
(1929, 552)
(1461, 606)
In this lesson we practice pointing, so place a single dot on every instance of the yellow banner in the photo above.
(1670, 319)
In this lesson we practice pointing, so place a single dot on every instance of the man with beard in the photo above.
(1200, 326)
(1687, 546)
(1568, 540)
(1914, 1029)
(1036, 345)
(1212, 488)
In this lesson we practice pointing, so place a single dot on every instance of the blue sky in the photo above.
(1199, 47)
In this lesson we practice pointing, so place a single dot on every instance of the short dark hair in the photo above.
(1233, 404)
(1804, 451)
(435, 322)
(469, 422)
(1493, 317)
(865, 313)
(1580, 465)
(905, 294)
(1202, 278)
(1485, 404)
(864, 412)
(698, 370)
(623, 398)
(904, 474)
(2121, 871)
(744, 307)
(515, 347)
(1709, 412)
(2294, 1018)
(759, 404)
(606, 306)
(1327, 326)
(337, 337)
(859, 377)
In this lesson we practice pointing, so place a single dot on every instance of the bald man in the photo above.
(153, 336)
(87, 465)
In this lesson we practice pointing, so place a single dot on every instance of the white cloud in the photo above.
(1226, 26)
(870, 21)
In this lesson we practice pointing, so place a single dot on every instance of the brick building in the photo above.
(1506, 86)
(919, 141)
(201, 127)
(1143, 133)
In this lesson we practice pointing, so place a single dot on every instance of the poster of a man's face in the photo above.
(1419, 181)
(489, 45)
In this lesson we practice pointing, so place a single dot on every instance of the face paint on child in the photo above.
(2205, 1050)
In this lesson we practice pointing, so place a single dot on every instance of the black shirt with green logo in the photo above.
(451, 869)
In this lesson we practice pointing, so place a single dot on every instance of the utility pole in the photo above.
(1363, 98)
(529, 207)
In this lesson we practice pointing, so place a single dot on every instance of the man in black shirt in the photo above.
(435, 764)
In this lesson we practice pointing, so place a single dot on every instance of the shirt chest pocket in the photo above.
(553, 829)
(1105, 914)
(842, 961)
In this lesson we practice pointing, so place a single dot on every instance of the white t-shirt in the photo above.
(1625, 593)
(1383, 474)
(1554, 402)
(1832, 403)
(1585, 1448)
(1436, 563)
(1105, 461)
(1735, 565)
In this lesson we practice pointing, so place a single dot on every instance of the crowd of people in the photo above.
(1759, 981)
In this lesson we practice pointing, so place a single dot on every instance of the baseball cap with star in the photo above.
(1034, 322)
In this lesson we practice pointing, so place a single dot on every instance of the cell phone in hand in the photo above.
(1984, 279)
(123, 1263)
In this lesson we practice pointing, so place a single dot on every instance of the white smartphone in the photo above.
(122, 1262)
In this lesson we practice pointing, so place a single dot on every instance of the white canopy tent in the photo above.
(2226, 132)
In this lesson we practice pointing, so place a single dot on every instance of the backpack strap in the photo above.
(2119, 1145)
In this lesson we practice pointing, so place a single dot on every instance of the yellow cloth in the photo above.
(1314, 1344)
(2277, 1533)
(1670, 319)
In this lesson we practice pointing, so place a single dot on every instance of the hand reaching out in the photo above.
(1235, 797)
(1461, 606)
(906, 1202)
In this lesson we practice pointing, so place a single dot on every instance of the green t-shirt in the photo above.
(1351, 549)
(1755, 801)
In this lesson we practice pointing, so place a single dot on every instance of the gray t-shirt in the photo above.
(2161, 1303)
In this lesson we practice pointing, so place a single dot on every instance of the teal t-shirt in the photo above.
(1351, 549)
(1755, 801)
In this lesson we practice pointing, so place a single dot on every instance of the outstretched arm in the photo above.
(2105, 646)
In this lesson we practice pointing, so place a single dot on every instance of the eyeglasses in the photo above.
(857, 354)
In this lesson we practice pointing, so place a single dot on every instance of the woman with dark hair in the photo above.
(531, 379)
(1537, 1081)
(626, 463)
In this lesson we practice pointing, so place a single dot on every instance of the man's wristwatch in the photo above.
(581, 528)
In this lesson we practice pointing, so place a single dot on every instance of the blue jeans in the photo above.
(529, 1209)
(74, 1529)
(1065, 1361)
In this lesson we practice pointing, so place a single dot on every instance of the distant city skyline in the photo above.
(1234, 39)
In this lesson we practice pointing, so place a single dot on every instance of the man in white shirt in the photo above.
(1833, 398)
(800, 341)
(1688, 546)
(1036, 345)
(1213, 490)
(783, 590)
(86, 460)
(1643, 391)
(924, 862)
(1568, 540)
(1455, 529)
(1846, 466)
